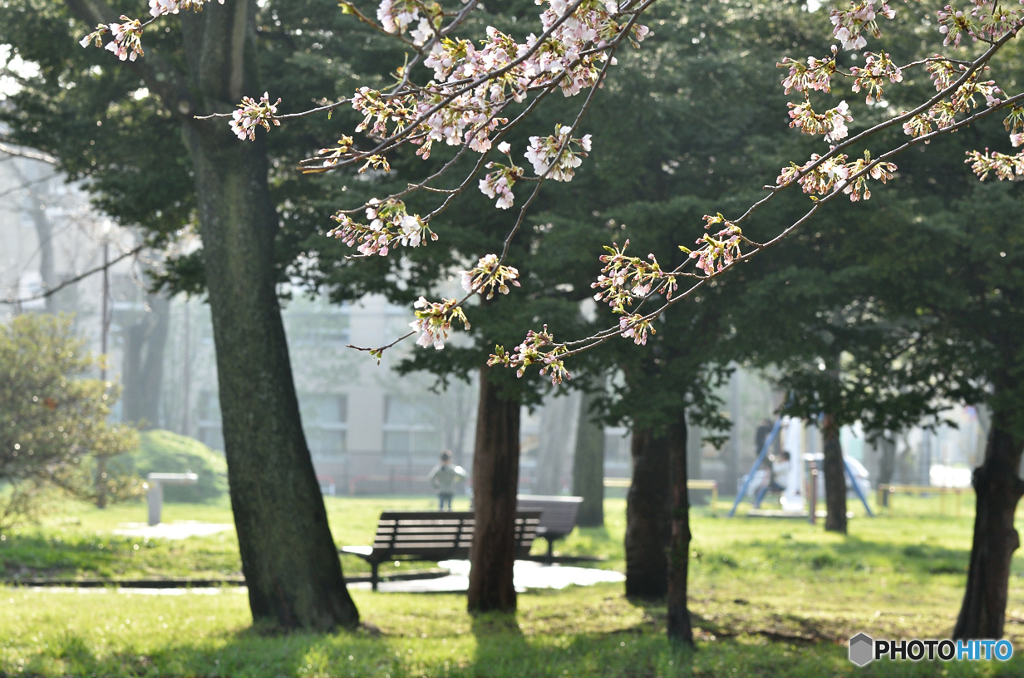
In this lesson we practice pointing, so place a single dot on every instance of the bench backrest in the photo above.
(441, 534)
(558, 516)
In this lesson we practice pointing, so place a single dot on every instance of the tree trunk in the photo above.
(835, 477)
(495, 479)
(289, 559)
(886, 466)
(588, 467)
(144, 346)
(679, 629)
(648, 517)
(998, 488)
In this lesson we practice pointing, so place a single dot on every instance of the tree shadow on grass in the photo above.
(502, 650)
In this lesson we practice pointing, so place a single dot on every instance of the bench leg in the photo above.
(551, 550)
(373, 576)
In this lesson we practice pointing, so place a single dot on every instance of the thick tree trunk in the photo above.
(679, 629)
(290, 563)
(588, 467)
(835, 477)
(289, 559)
(998, 488)
(495, 479)
(648, 517)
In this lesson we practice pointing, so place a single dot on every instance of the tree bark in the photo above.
(998, 488)
(679, 629)
(835, 477)
(588, 467)
(648, 517)
(289, 559)
(495, 479)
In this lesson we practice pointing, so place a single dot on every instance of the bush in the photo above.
(166, 452)
(54, 433)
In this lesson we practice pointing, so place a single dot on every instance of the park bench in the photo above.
(557, 519)
(433, 536)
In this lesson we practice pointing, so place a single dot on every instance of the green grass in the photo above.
(769, 598)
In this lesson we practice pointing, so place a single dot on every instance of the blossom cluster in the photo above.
(877, 68)
(127, 35)
(164, 7)
(553, 156)
(624, 278)
(816, 75)
(717, 250)
(488, 275)
(858, 18)
(636, 327)
(251, 114)
(434, 321)
(538, 348)
(831, 123)
(499, 181)
(1006, 167)
(127, 38)
(942, 114)
(390, 224)
(837, 173)
(472, 84)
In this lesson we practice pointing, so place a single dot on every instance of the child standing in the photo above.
(444, 477)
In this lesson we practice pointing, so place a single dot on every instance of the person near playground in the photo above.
(443, 478)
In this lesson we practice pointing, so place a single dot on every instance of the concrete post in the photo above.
(155, 495)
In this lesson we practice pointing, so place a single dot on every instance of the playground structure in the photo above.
(793, 500)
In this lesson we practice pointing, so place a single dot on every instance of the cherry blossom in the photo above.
(858, 18)
(537, 348)
(816, 75)
(462, 93)
(877, 68)
(499, 181)
(954, 24)
(126, 43)
(489, 274)
(624, 278)
(251, 114)
(162, 7)
(553, 156)
(434, 321)
(831, 123)
(1006, 167)
(390, 225)
(635, 327)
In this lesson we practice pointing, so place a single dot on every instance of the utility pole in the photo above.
(187, 377)
(105, 310)
(101, 468)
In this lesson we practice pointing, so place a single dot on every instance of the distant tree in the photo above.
(53, 419)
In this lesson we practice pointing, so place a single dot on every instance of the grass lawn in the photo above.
(769, 597)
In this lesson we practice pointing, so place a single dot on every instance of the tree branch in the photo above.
(160, 76)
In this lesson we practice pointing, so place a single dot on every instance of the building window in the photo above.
(325, 422)
(318, 329)
(210, 432)
(410, 431)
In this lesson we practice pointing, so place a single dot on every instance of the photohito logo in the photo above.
(864, 649)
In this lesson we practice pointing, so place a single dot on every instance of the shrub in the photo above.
(167, 452)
